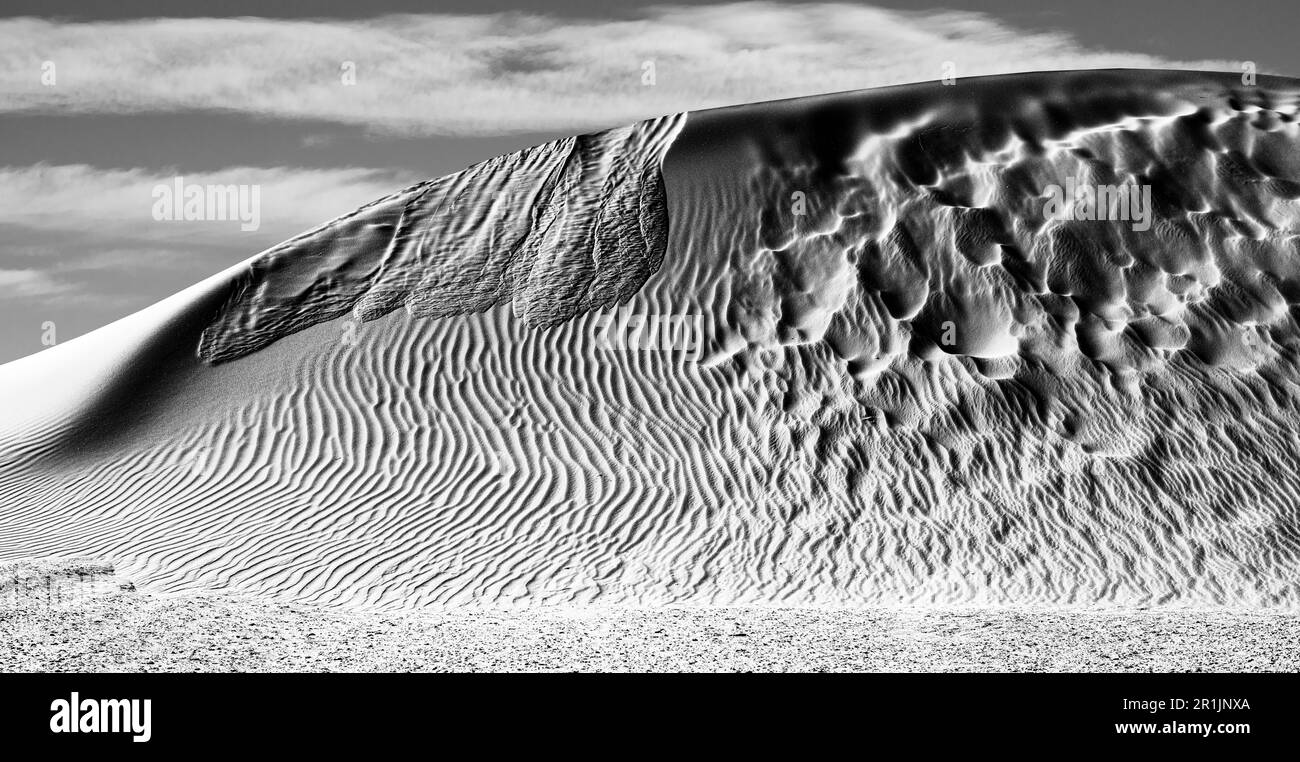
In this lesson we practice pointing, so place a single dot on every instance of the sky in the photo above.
(322, 107)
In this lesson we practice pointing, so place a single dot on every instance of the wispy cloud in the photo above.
(89, 234)
(31, 284)
(116, 205)
(497, 73)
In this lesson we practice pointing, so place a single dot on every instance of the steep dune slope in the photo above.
(844, 349)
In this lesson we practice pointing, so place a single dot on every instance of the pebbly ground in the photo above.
(75, 615)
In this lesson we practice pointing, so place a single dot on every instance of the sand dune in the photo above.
(896, 374)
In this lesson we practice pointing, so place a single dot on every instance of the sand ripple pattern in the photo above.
(1097, 430)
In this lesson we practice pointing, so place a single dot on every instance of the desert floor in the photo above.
(77, 616)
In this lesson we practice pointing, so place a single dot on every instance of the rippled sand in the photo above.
(913, 386)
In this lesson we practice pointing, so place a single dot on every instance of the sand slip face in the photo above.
(1019, 340)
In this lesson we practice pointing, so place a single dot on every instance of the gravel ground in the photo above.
(75, 615)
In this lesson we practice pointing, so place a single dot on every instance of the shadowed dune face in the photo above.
(555, 230)
(1020, 340)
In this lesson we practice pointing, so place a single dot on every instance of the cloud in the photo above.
(501, 73)
(79, 232)
(31, 284)
(110, 206)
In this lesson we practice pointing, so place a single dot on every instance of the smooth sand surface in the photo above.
(87, 619)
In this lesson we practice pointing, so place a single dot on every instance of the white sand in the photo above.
(94, 625)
